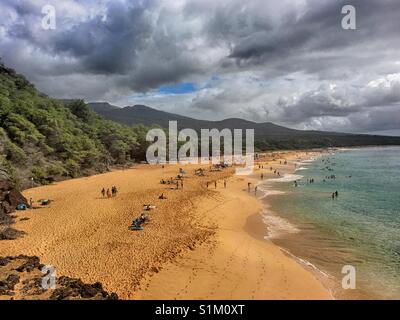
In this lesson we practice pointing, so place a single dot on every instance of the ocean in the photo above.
(360, 227)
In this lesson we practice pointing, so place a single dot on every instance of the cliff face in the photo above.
(9, 198)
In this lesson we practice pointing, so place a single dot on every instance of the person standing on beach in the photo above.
(108, 193)
(225, 183)
(103, 193)
(31, 203)
(248, 186)
(336, 194)
(215, 184)
(262, 176)
(333, 196)
(207, 184)
(255, 190)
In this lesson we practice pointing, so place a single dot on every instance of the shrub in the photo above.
(14, 153)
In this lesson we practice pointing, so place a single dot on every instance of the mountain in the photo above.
(140, 114)
(43, 139)
(268, 136)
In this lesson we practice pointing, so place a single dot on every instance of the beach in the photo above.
(201, 243)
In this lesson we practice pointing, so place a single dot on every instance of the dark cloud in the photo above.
(287, 61)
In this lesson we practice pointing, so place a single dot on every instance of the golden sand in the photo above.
(201, 243)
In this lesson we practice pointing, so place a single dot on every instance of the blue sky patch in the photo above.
(179, 88)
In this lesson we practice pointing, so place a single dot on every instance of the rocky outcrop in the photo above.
(21, 277)
(10, 198)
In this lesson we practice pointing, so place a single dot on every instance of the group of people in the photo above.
(335, 195)
(109, 194)
(215, 184)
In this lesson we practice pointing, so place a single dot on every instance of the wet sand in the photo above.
(200, 244)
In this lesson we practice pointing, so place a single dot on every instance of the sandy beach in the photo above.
(201, 243)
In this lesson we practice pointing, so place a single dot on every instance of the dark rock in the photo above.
(30, 264)
(75, 288)
(66, 288)
(7, 285)
(10, 234)
(10, 197)
(4, 261)
(33, 286)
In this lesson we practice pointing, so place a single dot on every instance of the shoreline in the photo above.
(305, 245)
(197, 246)
(270, 225)
(318, 241)
(308, 287)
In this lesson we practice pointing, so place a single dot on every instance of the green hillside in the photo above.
(268, 136)
(43, 139)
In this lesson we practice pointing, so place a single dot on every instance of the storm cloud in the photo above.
(289, 62)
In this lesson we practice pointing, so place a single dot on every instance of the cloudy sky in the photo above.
(287, 61)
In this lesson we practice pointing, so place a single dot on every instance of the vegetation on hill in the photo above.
(268, 136)
(42, 139)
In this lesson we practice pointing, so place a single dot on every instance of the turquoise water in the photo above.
(361, 227)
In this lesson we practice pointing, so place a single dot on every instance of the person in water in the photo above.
(336, 194)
